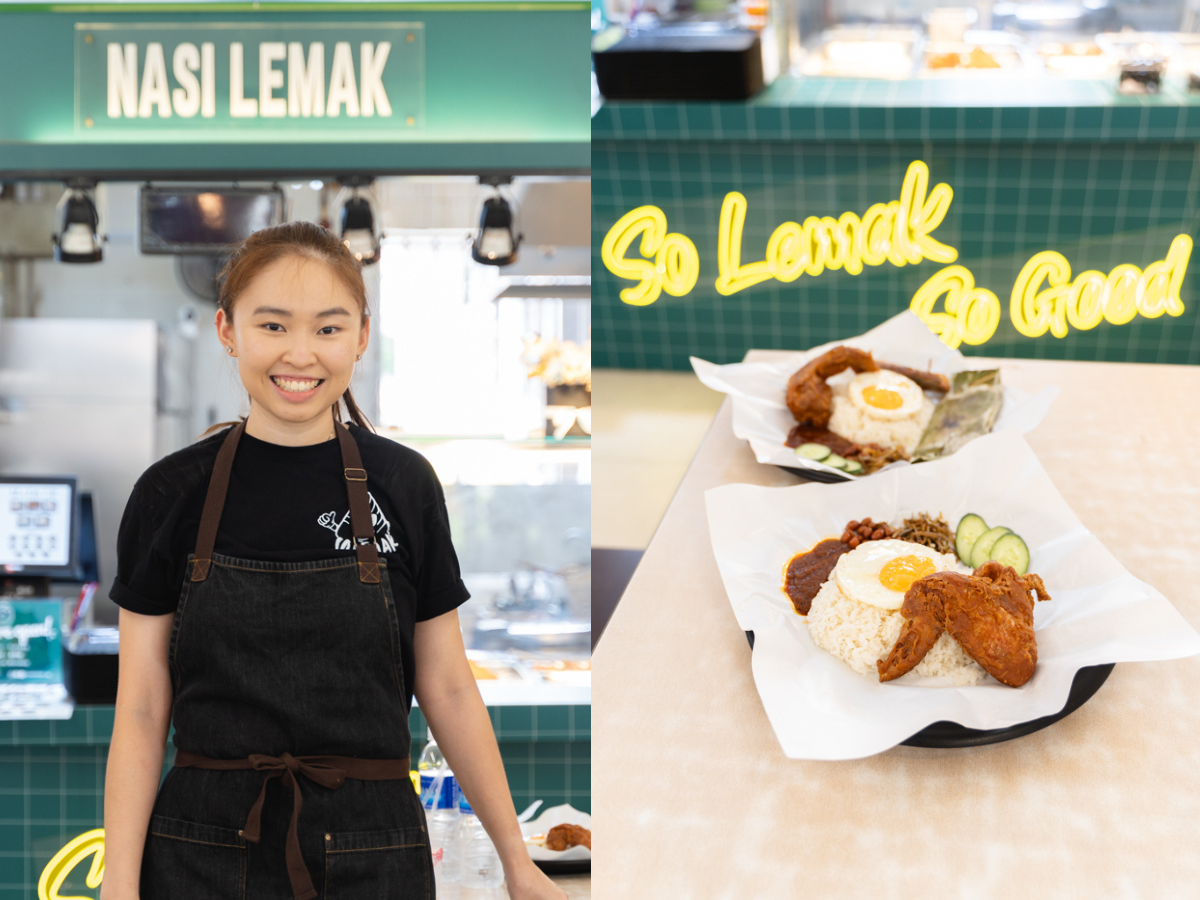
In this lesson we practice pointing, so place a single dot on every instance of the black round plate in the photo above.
(951, 734)
(815, 475)
(569, 867)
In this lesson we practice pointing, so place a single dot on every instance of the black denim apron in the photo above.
(289, 693)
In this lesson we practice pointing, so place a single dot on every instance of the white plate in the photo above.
(557, 815)
(820, 708)
(758, 389)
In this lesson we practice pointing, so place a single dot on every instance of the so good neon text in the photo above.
(1044, 297)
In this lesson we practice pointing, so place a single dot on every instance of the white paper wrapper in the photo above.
(820, 708)
(557, 815)
(761, 416)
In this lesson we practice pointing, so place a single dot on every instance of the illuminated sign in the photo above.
(900, 233)
(90, 843)
(897, 232)
(676, 264)
(160, 76)
(1092, 296)
(971, 313)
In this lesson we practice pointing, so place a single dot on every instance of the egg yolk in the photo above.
(882, 398)
(901, 572)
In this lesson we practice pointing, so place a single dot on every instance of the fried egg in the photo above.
(886, 395)
(880, 572)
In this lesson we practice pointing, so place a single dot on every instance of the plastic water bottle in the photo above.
(440, 796)
(480, 864)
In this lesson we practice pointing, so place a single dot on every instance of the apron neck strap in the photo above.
(214, 503)
(361, 524)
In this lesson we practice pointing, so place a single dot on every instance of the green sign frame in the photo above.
(481, 88)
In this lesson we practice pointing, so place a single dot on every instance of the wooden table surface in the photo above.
(692, 796)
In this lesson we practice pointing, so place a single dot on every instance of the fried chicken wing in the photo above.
(808, 396)
(560, 837)
(990, 613)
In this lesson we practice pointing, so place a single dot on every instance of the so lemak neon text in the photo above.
(899, 233)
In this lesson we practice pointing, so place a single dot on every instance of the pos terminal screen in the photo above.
(36, 523)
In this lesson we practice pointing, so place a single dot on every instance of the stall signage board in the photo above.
(197, 91)
(323, 77)
(30, 642)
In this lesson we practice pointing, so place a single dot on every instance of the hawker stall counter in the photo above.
(1011, 109)
(52, 780)
(1031, 165)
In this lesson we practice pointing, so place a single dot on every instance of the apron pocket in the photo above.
(185, 860)
(367, 865)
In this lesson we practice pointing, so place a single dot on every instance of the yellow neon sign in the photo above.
(66, 859)
(676, 263)
(898, 232)
(1044, 297)
(971, 315)
(1082, 303)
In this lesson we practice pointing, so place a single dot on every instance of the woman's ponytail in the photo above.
(356, 415)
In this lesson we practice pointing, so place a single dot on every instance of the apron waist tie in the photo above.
(327, 771)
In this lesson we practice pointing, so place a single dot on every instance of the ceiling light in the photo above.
(358, 229)
(496, 243)
(77, 227)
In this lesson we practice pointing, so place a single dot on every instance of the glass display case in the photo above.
(520, 517)
(1090, 39)
(1140, 47)
(503, 414)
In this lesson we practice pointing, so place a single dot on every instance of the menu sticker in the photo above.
(30, 642)
(35, 525)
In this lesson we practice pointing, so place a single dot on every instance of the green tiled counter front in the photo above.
(1069, 166)
(52, 778)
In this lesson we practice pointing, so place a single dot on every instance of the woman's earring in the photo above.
(358, 359)
(230, 349)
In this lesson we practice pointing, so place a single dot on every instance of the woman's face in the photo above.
(296, 331)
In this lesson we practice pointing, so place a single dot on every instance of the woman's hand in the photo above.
(528, 882)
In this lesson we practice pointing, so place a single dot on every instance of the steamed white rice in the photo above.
(859, 634)
(852, 423)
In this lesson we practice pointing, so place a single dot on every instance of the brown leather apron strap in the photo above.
(328, 771)
(361, 524)
(214, 503)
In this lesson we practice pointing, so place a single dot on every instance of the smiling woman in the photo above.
(280, 650)
(303, 324)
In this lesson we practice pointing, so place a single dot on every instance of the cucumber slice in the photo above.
(980, 553)
(970, 527)
(1010, 550)
(838, 462)
(853, 467)
(816, 452)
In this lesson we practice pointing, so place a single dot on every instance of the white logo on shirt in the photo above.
(384, 542)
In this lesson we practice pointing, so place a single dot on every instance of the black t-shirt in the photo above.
(289, 504)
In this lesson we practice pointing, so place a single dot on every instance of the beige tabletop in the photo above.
(577, 887)
(693, 797)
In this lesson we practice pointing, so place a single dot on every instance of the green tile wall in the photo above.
(52, 778)
(1099, 184)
